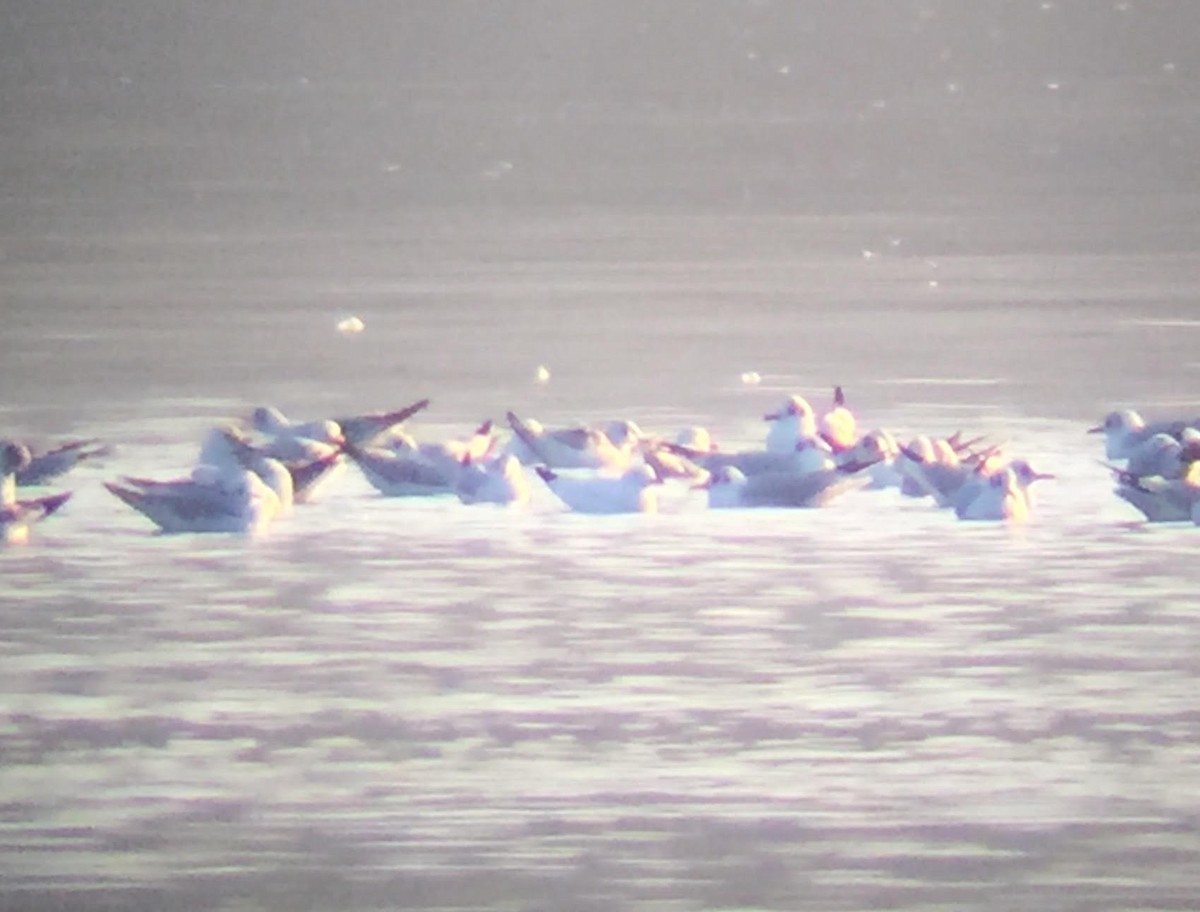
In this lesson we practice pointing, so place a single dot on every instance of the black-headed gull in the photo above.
(939, 467)
(213, 499)
(728, 487)
(793, 421)
(308, 476)
(46, 466)
(634, 491)
(1161, 499)
(807, 454)
(1001, 496)
(271, 422)
(501, 480)
(447, 455)
(16, 516)
(402, 475)
(572, 448)
(998, 490)
(1125, 430)
(838, 427)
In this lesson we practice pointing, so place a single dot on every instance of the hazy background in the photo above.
(143, 113)
(437, 165)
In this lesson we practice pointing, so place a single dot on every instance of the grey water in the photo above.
(977, 217)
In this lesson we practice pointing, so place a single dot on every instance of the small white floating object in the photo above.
(351, 326)
(542, 374)
(751, 378)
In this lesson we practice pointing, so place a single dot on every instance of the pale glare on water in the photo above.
(977, 217)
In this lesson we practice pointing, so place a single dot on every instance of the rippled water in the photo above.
(415, 704)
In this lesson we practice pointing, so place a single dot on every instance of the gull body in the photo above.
(212, 500)
(17, 516)
(1162, 499)
(500, 481)
(1000, 497)
(402, 475)
(728, 488)
(51, 464)
(447, 455)
(634, 491)
(572, 448)
(808, 454)
(272, 422)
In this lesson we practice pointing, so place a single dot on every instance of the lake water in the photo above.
(416, 704)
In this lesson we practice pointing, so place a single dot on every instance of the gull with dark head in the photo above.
(788, 424)
(50, 464)
(1125, 431)
(16, 516)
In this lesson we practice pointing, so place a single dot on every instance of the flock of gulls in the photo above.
(252, 472)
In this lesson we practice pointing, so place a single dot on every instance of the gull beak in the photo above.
(1098, 429)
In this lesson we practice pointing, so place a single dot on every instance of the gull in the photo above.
(1161, 499)
(1160, 454)
(45, 467)
(271, 422)
(728, 487)
(998, 492)
(572, 448)
(517, 447)
(938, 466)
(226, 446)
(634, 491)
(402, 474)
(793, 421)
(668, 459)
(1124, 430)
(838, 426)
(939, 472)
(876, 451)
(16, 516)
(696, 438)
(447, 455)
(501, 481)
(1001, 497)
(624, 434)
(807, 454)
(213, 499)
(879, 448)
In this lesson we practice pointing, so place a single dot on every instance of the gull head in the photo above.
(623, 433)
(794, 407)
(266, 419)
(13, 457)
(1025, 474)
(1121, 421)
